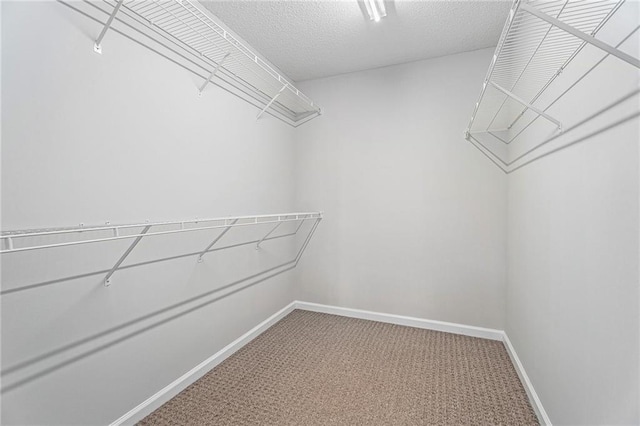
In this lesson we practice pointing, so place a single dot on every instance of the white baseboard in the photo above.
(148, 406)
(154, 402)
(526, 383)
(447, 327)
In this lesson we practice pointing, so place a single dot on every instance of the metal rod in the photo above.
(306, 241)
(107, 279)
(496, 136)
(299, 226)
(516, 54)
(486, 152)
(96, 47)
(554, 137)
(475, 132)
(268, 233)
(528, 105)
(578, 124)
(589, 39)
(308, 118)
(212, 74)
(203, 252)
(271, 101)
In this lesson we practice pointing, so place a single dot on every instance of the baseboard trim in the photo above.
(447, 327)
(165, 394)
(543, 418)
(149, 405)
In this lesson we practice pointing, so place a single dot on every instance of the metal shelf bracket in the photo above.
(527, 104)
(208, 80)
(97, 46)
(268, 233)
(271, 101)
(224, 231)
(107, 279)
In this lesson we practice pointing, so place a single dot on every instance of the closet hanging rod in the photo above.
(227, 222)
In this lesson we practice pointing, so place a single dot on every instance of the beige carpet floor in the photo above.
(318, 369)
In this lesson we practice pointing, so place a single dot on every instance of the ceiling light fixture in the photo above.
(375, 9)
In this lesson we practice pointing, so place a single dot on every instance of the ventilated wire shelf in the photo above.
(531, 54)
(187, 25)
(539, 39)
(52, 238)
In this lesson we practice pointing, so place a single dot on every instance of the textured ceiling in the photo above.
(312, 39)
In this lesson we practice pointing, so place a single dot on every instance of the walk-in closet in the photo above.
(320, 212)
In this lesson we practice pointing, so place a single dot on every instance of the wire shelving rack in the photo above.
(189, 27)
(51, 238)
(539, 40)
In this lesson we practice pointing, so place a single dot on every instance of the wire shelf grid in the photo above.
(533, 52)
(187, 25)
(539, 40)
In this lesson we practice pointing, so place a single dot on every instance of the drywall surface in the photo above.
(415, 215)
(123, 137)
(572, 299)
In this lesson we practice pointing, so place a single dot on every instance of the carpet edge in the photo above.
(155, 401)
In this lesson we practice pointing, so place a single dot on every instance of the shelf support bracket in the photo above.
(271, 101)
(97, 47)
(268, 233)
(107, 279)
(203, 252)
(527, 104)
(299, 225)
(208, 80)
(585, 37)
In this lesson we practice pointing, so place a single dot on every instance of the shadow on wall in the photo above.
(176, 310)
(560, 139)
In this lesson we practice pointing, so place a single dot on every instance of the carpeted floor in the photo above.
(318, 369)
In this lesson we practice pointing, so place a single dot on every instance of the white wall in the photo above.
(417, 221)
(572, 301)
(123, 137)
(415, 215)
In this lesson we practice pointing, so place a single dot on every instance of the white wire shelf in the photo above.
(48, 238)
(540, 38)
(191, 28)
